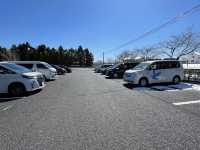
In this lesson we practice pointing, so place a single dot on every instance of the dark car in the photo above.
(117, 71)
(101, 68)
(104, 70)
(67, 69)
(60, 71)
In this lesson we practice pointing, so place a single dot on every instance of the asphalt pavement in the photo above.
(85, 111)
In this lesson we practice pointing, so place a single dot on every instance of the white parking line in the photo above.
(6, 108)
(186, 103)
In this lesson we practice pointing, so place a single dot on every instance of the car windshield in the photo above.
(141, 66)
(106, 66)
(17, 68)
(115, 66)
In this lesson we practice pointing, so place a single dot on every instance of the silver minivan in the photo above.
(158, 71)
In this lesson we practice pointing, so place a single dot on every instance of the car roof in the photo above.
(130, 63)
(26, 62)
(5, 62)
(152, 61)
(107, 64)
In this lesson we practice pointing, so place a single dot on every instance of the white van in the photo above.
(17, 80)
(47, 70)
(155, 72)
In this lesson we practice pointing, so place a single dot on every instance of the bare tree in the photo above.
(149, 52)
(181, 45)
(127, 54)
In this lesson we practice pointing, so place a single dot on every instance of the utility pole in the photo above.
(103, 57)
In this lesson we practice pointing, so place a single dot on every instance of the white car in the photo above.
(155, 72)
(47, 70)
(16, 80)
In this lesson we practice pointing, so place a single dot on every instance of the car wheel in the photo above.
(16, 89)
(143, 82)
(176, 80)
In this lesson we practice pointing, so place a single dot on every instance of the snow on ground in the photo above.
(182, 86)
(179, 87)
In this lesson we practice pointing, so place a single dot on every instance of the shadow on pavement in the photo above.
(107, 77)
(7, 97)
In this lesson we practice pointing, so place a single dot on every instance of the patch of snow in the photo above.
(182, 86)
(186, 86)
(178, 87)
(196, 87)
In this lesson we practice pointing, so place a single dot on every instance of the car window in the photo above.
(131, 65)
(41, 66)
(141, 66)
(107, 65)
(29, 66)
(167, 64)
(175, 64)
(163, 65)
(16, 68)
(5, 71)
(155, 66)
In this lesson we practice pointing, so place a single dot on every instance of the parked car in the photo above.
(155, 72)
(104, 70)
(101, 68)
(117, 71)
(16, 80)
(60, 71)
(47, 70)
(68, 70)
(97, 68)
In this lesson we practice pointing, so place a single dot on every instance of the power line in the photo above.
(171, 21)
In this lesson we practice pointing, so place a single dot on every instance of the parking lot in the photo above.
(85, 110)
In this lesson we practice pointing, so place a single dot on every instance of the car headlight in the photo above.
(29, 77)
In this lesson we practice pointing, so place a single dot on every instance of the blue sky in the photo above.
(99, 25)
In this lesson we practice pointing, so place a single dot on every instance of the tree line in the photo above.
(25, 52)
